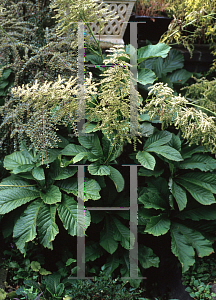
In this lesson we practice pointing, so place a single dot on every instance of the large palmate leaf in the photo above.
(47, 228)
(92, 142)
(18, 162)
(174, 61)
(72, 150)
(205, 180)
(202, 162)
(150, 51)
(38, 173)
(25, 227)
(167, 152)
(106, 237)
(179, 76)
(15, 182)
(146, 129)
(158, 225)
(181, 248)
(63, 173)
(199, 213)
(188, 151)
(175, 142)
(202, 195)
(147, 173)
(146, 160)
(157, 139)
(146, 76)
(13, 197)
(117, 178)
(147, 258)
(52, 195)
(179, 194)
(97, 169)
(153, 200)
(184, 241)
(91, 189)
(111, 264)
(72, 220)
(93, 251)
(122, 234)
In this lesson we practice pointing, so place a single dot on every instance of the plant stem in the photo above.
(92, 34)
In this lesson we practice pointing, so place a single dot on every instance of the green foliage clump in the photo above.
(194, 23)
(200, 277)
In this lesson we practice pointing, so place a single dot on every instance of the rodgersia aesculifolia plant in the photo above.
(41, 100)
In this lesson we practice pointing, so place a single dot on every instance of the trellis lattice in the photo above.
(113, 30)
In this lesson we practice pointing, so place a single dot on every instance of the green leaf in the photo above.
(146, 76)
(72, 150)
(3, 84)
(16, 159)
(202, 162)
(70, 261)
(93, 143)
(91, 127)
(44, 272)
(47, 228)
(96, 169)
(64, 173)
(38, 173)
(146, 129)
(125, 270)
(11, 198)
(117, 178)
(188, 151)
(175, 142)
(181, 248)
(146, 160)
(23, 168)
(94, 59)
(199, 193)
(150, 51)
(180, 195)
(196, 240)
(112, 263)
(199, 213)
(35, 265)
(179, 76)
(157, 139)
(122, 234)
(147, 173)
(14, 181)
(158, 225)
(52, 195)
(205, 180)
(174, 61)
(92, 188)
(106, 237)
(6, 73)
(67, 211)
(166, 151)
(147, 258)
(25, 227)
(80, 156)
(152, 200)
(93, 251)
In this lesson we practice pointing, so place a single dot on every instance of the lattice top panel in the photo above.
(115, 27)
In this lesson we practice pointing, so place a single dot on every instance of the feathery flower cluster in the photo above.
(196, 126)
